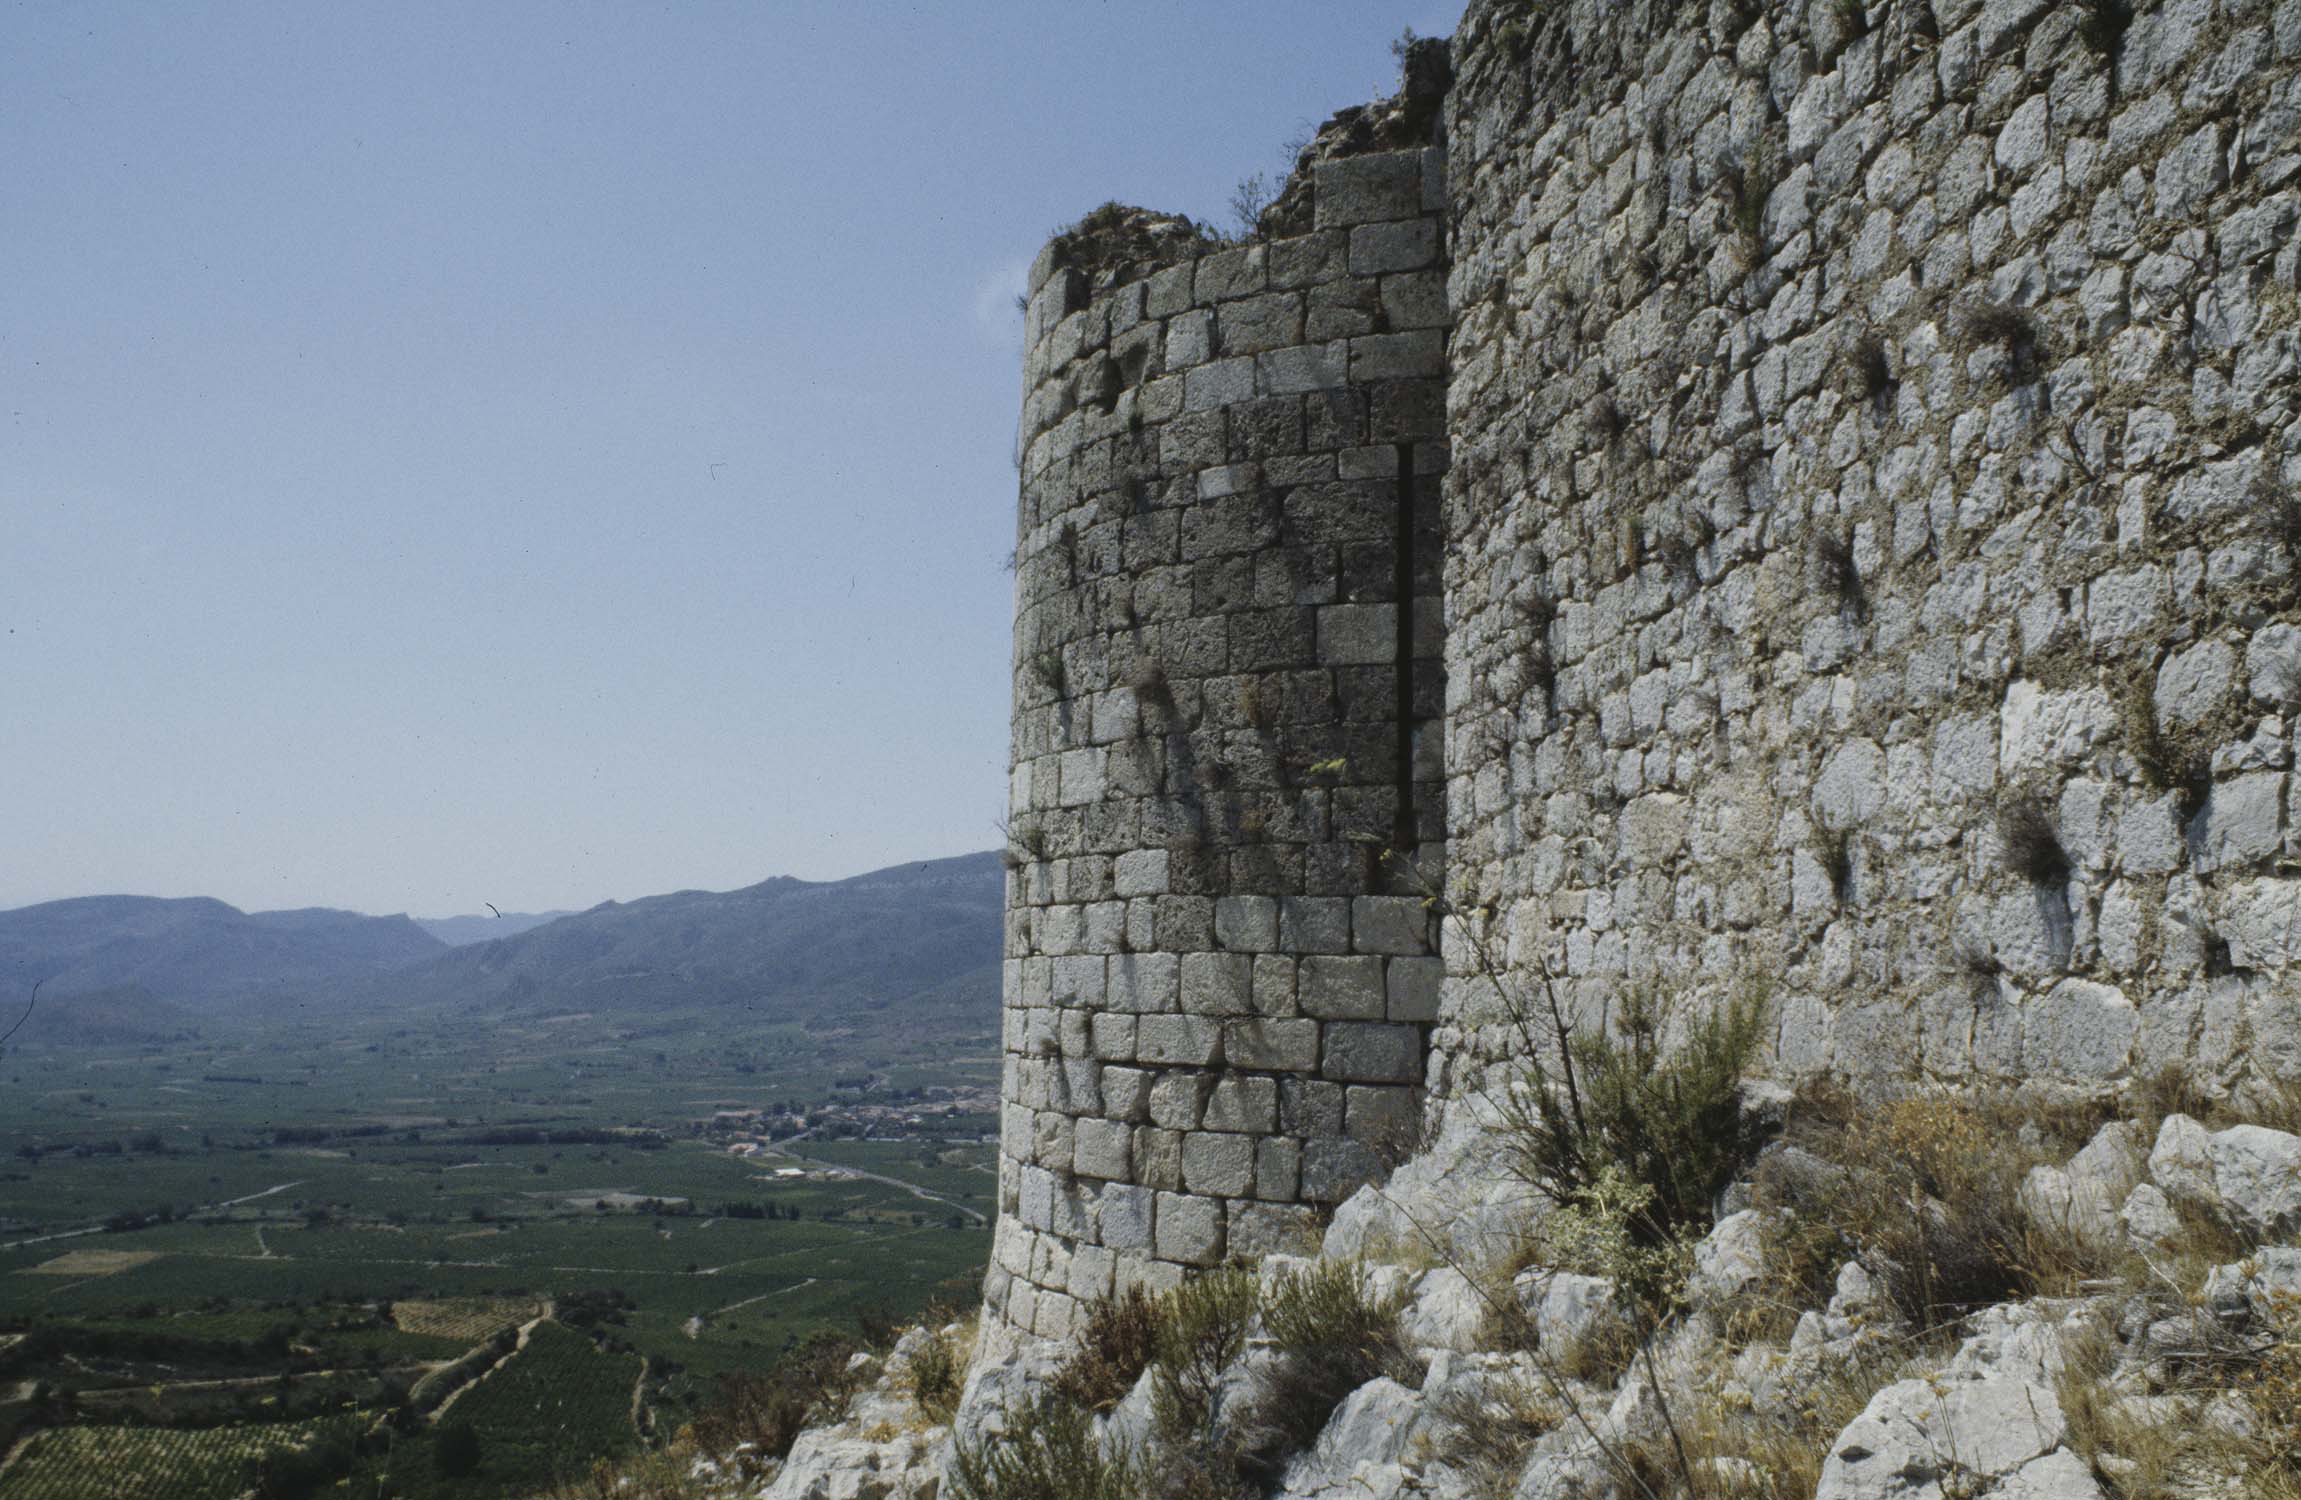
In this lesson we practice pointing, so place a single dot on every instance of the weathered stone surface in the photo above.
(2249, 1173)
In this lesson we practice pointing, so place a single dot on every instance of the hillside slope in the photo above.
(196, 950)
(925, 934)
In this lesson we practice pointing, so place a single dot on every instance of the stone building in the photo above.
(1682, 498)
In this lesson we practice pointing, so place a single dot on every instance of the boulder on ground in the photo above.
(2247, 1174)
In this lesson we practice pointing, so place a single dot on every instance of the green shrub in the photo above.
(1050, 1454)
(936, 1374)
(1203, 1330)
(1637, 1134)
(768, 1412)
(1115, 1348)
(1332, 1335)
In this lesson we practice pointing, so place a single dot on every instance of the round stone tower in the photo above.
(1227, 794)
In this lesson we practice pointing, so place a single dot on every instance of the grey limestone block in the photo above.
(1277, 1170)
(1314, 924)
(1158, 1157)
(1260, 1229)
(1102, 1149)
(1185, 923)
(1359, 1052)
(1379, 1115)
(1126, 1093)
(1194, 1041)
(1414, 987)
(1334, 1169)
(1077, 979)
(1307, 1107)
(1168, 291)
(1415, 299)
(1124, 1219)
(1051, 1139)
(1189, 339)
(1342, 989)
(1178, 1099)
(1288, 1046)
(1245, 1105)
(1091, 1273)
(1405, 245)
(1351, 635)
(1053, 1314)
(1217, 984)
(1143, 983)
(1189, 1229)
(1368, 189)
(1114, 1041)
(1257, 325)
(1307, 260)
(1390, 924)
(1418, 353)
(1220, 384)
(1274, 985)
(1304, 368)
(1141, 872)
(1227, 274)
(1246, 924)
(1221, 1165)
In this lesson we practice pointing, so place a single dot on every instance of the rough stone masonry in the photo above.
(1683, 499)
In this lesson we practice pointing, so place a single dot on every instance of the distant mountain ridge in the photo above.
(196, 949)
(911, 945)
(806, 950)
(457, 932)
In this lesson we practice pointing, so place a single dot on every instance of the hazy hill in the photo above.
(926, 936)
(103, 1017)
(195, 949)
(458, 932)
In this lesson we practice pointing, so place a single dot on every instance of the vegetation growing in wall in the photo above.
(2030, 841)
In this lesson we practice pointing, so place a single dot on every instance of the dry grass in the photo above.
(666, 1475)
(939, 1370)
(809, 1386)
(1735, 1452)
(2139, 1454)
(1926, 1193)
(1487, 1437)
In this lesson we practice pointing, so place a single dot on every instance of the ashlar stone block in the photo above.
(1103, 1149)
(1217, 984)
(1191, 1041)
(1189, 1229)
(1219, 1164)
(1362, 1053)
(1342, 989)
(1178, 1100)
(1284, 1046)
(1247, 1105)
(1125, 1218)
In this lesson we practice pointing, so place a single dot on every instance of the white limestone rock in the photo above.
(2085, 1197)
(1729, 1260)
(1447, 1312)
(2249, 1173)
(1565, 1305)
(2267, 1283)
(2148, 1218)
(1360, 1452)
(1992, 1418)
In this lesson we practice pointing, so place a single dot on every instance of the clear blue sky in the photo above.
(543, 453)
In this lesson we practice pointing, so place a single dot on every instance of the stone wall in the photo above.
(1227, 799)
(1868, 498)
(1872, 531)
